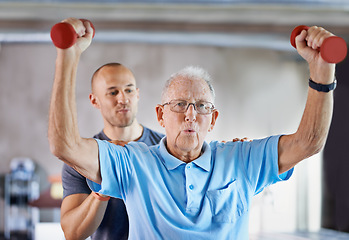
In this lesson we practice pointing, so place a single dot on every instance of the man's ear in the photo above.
(215, 114)
(160, 114)
(94, 100)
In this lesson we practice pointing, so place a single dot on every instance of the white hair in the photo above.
(191, 72)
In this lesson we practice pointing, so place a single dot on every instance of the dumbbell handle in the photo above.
(63, 34)
(333, 49)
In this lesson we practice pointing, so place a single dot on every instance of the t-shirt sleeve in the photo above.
(73, 182)
(115, 170)
(261, 163)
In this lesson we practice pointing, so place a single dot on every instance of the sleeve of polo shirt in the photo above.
(115, 170)
(261, 163)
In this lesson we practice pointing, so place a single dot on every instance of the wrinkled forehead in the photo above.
(192, 89)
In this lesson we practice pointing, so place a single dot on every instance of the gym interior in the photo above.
(260, 82)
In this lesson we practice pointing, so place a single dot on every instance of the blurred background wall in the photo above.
(260, 81)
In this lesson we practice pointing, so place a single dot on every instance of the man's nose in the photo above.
(121, 98)
(190, 114)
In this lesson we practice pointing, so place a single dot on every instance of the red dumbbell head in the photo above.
(333, 49)
(296, 31)
(64, 36)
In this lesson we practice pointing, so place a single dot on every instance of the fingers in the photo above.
(316, 36)
(301, 39)
(79, 26)
(89, 29)
(245, 139)
(240, 140)
(118, 142)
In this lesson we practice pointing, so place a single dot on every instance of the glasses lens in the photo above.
(179, 106)
(201, 107)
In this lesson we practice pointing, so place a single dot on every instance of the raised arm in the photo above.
(63, 134)
(313, 129)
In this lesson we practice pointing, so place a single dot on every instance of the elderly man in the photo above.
(184, 187)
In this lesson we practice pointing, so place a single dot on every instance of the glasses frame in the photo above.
(188, 104)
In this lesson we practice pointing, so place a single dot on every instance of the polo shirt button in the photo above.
(191, 187)
(188, 166)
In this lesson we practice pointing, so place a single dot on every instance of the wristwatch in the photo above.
(323, 87)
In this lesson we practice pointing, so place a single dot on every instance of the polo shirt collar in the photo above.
(171, 162)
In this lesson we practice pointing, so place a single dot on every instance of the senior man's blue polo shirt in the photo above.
(208, 198)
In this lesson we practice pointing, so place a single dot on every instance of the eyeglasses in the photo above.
(181, 106)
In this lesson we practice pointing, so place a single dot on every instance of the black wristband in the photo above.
(322, 87)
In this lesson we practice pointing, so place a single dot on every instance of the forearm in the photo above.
(83, 221)
(312, 132)
(315, 123)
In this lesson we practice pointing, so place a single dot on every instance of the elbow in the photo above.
(313, 145)
(317, 148)
(59, 148)
(71, 233)
(65, 228)
(60, 145)
(53, 143)
(72, 236)
(295, 148)
(67, 235)
(58, 141)
(55, 148)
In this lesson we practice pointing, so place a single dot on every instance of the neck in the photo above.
(127, 134)
(188, 157)
(185, 156)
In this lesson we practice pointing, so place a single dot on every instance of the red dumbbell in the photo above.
(64, 36)
(333, 49)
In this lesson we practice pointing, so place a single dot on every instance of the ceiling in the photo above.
(115, 20)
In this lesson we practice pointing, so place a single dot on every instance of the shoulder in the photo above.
(271, 140)
(139, 147)
(218, 145)
(245, 148)
(152, 132)
(108, 149)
